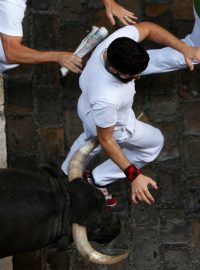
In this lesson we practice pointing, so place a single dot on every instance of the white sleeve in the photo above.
(11, 17)
(164, 60)
(104, 114)
(168, 59)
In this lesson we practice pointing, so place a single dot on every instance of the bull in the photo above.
(44, 210)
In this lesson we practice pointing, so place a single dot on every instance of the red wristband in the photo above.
(131, 172)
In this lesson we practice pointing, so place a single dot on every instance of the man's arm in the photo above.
(17, 53)
(139, 187)
(160, 35)
(114, 9)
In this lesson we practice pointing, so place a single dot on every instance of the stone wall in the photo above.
(42, 123)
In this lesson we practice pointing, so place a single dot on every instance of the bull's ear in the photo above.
(52, 169)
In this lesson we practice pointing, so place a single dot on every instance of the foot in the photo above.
(110, 200)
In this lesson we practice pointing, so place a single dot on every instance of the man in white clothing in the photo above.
(13, 52)
(105, 108)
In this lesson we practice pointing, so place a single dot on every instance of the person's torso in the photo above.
(99, 86)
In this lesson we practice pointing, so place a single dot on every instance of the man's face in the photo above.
(125, 78)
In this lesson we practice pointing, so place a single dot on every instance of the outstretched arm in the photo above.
(113, 9)
(17, 53)
(160, 35)
(139, 186)
(168, 59)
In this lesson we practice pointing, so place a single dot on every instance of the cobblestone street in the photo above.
(42, 123)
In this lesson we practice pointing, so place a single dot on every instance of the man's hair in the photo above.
(127, 56)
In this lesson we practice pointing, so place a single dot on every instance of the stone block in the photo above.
(21, 74)
(21, 132)
(48, 74)
(191, 150)
(195, 232)
(192, 196)
(145, 252)
(173, 227)
(51, 146)
(195, 265)
(195, 82)
(154, 10)
(70, 91)
(73, 126)
(170, 183)
(176, 258)
(183, 9)
(162, 84)
(19, 98)
(141, 92)
(45, 31)
(191, 112)
(41, 5)
(145, 216)
(69, 41)
(170, 149)
(48, 106)
(163, 107)
(181, 28)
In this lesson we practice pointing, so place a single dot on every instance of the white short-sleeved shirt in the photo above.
(11, 17)
(109, 100)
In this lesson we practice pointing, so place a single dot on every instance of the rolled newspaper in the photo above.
(88, 43)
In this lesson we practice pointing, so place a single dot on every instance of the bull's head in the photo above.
(86, 204)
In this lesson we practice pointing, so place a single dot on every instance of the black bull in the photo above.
(38, 210)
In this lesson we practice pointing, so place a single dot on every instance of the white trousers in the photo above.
(141, 148)
(146, 141)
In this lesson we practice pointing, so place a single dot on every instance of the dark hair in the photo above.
(127, 56)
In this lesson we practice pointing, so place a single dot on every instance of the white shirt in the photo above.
(109, 100)
(11, 17)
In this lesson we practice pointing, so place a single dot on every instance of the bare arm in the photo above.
(111, 147)
(139, 187)
(160, 35)
(17, 53)
(114, 9)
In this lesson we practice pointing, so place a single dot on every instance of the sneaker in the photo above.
(110, 200)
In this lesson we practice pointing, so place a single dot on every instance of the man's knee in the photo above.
(159, 141)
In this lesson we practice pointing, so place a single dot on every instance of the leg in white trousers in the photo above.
(168, 59)
(89, 132)
(141, 148)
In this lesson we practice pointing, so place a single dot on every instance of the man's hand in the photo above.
(191, 53)
(70, 61)
(113, 9)
(139, 189)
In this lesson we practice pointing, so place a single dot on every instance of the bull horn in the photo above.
(76, 162)
(86, 250)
